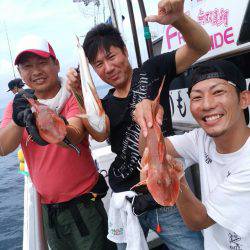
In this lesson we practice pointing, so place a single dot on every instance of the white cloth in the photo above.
(57, 103)
(33, 235)
(225, 188)
(124, 226)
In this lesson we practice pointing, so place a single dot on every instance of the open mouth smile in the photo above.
(212, 118)
(39, 80)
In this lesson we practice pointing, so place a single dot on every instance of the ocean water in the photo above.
(11, 203)
(11, 197)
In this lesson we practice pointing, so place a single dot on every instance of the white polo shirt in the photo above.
(225, 188)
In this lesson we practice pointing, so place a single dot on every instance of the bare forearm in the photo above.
(195, 36)
(75, 131)
(10, 138)
(192, 210)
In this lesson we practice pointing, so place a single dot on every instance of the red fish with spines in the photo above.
(51, 127)
(161, 178)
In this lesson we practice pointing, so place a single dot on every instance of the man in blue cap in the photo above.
(15, 85)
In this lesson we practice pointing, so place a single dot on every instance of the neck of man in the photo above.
(123, 91)
(49, 94)
(233, 140)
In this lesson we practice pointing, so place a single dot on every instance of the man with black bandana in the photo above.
(219, 103)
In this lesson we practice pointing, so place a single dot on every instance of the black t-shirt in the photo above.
(124, 132)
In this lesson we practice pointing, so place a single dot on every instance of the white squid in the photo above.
(91, 104)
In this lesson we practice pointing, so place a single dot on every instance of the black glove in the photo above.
(21, 107)
(23, 116)
(142, 203)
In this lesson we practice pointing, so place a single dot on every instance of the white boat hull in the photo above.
(33, 238)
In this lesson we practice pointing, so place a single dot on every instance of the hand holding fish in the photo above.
(22, 115)
(143, 114)
(168, 12)
(159, 172)
(74, 81)
(43, 125)
(74, 85)
(82, 86)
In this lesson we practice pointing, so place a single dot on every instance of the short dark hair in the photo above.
(102, 36)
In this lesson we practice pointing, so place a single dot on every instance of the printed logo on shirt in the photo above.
(207, 159)
(234, 241)
(130, 155)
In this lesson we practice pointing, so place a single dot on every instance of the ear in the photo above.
(125, 51)
(245, 99)
(19, 71)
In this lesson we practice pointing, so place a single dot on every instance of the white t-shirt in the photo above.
(225, 188)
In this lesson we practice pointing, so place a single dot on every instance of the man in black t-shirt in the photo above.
(124, 132)
(108, 55)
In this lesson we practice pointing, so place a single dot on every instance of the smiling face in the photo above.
(216, 106)
(40, 74)
(113, 67)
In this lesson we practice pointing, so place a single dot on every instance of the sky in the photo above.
(58, 22)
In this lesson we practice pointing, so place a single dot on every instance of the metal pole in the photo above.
(147, 33)
(8, 41)
(112, 13)
(103, 10)
(134, 33)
